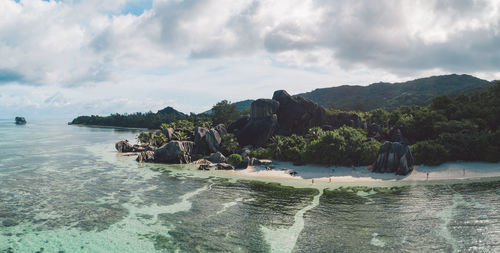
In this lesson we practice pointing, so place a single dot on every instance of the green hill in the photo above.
(392, 95)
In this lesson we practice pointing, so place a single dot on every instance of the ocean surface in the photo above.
(65, 189)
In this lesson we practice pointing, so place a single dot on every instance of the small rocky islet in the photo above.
(20, 121)
(282, 115)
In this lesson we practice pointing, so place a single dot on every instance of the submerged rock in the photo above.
(394, 157)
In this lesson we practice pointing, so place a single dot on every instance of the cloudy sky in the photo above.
(67, 58)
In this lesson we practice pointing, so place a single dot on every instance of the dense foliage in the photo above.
(462, 128)
(344, 146)
(224, 113)
(390, 96)
(156, 138)
(140, 120)
(229, 144)
(179, 124)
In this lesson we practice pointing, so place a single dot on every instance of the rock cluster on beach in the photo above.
(282, 115)
(394, 157)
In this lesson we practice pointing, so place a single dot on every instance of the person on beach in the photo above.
(312, 180)
(427, 175)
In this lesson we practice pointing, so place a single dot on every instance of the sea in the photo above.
(64, 188)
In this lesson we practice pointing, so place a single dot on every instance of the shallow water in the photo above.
(64, 189)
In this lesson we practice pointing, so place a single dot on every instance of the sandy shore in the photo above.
(321, 174)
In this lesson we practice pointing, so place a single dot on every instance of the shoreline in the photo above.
(317, 173)
(320, 176)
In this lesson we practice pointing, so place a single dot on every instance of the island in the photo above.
(20, 121)
(297, 130)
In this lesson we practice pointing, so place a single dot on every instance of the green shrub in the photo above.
(234, 159)
(262, 153)
(429, 152)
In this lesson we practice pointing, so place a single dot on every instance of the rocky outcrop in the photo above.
(221, 129)
(345, 119)
(394, 157)
(224, 166)
(174, 152)
(257, 131)
(217, 157)
(125, 147)
(169, 133)
(213, 140)
(259, 126)
(20, 121)
(238, 124)
(146, 156)
(200, 142)
(261, 108)
(297, 114)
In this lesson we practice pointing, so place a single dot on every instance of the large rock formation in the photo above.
(169, 133)
(297, 114)
(174, 152)
(124, 147)
(200, 143)
(214, 137)
(261, 108)
(238, 124)
(260, 126)
(394, 157)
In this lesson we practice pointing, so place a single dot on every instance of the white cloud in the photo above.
(190, 54)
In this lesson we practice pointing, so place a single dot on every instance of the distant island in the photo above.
(20, 121)
(462, 127)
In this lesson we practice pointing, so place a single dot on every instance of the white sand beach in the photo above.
(321, 174)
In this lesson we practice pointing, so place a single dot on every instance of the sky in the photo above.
(82, 57)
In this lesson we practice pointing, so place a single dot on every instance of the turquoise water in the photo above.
(64, 189)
